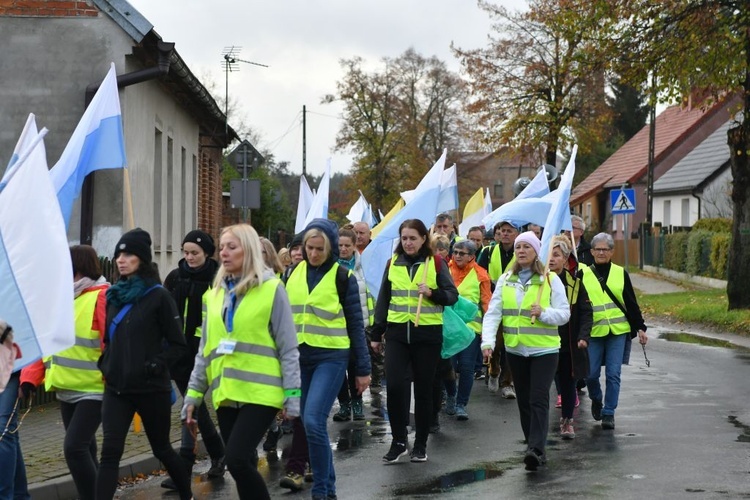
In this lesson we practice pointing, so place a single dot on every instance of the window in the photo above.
(685, 209)
(184, 198)
(587, 216)
(158, 167)
(667, 213)
(170, 192)
(498, 190)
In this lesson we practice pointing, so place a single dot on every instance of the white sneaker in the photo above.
(508, 392)
(493, 384)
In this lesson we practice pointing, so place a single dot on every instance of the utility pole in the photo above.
(651, 155)
(231, 58)
(304, 140)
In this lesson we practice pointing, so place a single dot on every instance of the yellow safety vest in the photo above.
(405, 295)
(75, 369)
(607, 316)
(318, 314)
(469, 289)
(517, 327)
(496, 262)
(251, 373)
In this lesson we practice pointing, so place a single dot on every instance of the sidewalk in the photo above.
(42, 435)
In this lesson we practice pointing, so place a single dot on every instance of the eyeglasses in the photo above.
(579, 228)
(460, 254)
(600, 250)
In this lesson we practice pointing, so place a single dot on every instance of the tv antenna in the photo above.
(231, 64)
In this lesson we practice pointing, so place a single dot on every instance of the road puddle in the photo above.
(447, 482)
(745, 436)
(688, 338)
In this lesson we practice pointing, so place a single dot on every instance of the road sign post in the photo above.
(622, 201)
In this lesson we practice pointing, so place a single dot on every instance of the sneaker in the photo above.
(418, 454)
(578, 401)
(292, 481)
(566, 428)
(533, 459)
(596, 409)
(397, 451)
(508, 392)
(308, 474)
(559, 402)
(450, 405)
(608, 422)
(461, 413)
(479, 375)
(358, 412)
(217, 468)
(344, 414)
(494, 383)
(272, 440)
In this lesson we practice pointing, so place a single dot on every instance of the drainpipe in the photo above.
(699, 202)
(166, 50)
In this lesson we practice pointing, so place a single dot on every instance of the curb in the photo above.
(63, 487)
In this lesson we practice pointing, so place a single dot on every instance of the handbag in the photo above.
(457, 336)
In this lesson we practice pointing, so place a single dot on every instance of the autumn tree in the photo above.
(396, 121)
(540, 81)
(684, 46)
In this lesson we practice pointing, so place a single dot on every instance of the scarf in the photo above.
(126, 291)
(348, 263)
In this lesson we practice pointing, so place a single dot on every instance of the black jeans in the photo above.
(242, 429)
(423, 360)
(532, 377)
(81, 420)
(568, 392)
(211, 438)
(348, 392)
(155, 409)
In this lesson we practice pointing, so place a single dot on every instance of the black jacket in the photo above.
(145, 344)
(579, 326)
(187, 286)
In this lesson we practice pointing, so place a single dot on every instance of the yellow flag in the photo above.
(474, 211)
(391, 213)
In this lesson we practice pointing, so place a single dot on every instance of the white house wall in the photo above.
(674, 214)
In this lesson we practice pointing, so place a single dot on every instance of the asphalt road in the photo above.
(683, 431)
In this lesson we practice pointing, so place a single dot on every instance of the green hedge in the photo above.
(698, 250)
(717, 225)
(675, 251)
(720, 255)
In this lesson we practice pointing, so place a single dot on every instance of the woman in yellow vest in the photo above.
(413, 280)
(187, 283)
(530, 306)
(248, 355)
(328, 315)
(73, 373)
(574, 335)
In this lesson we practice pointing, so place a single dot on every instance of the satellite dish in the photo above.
(552, 172)
(520, 184)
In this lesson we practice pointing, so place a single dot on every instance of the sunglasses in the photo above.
(460, 254)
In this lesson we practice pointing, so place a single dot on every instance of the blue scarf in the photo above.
(348, 263)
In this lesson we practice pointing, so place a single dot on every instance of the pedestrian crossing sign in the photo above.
(622, 201)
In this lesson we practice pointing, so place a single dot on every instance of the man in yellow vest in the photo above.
(500, 258)
(612, 295)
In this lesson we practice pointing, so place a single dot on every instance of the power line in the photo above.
(292, 126)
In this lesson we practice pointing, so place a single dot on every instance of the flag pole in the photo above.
(541, 287)
(128, 199)
(421, 295)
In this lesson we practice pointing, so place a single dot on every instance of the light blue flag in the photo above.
(28, 135)
(97, 143)
(319, 207)
(423, 206)
(448, 191)
(537, 188)
(559, 213)
(36, 284)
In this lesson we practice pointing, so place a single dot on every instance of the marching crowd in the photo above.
(274, 339)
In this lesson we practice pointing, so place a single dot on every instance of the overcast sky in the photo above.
(302, 42)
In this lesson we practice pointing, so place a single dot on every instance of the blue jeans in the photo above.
(320, 386)
(12, 468)
(464, 365)
(608, 351)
